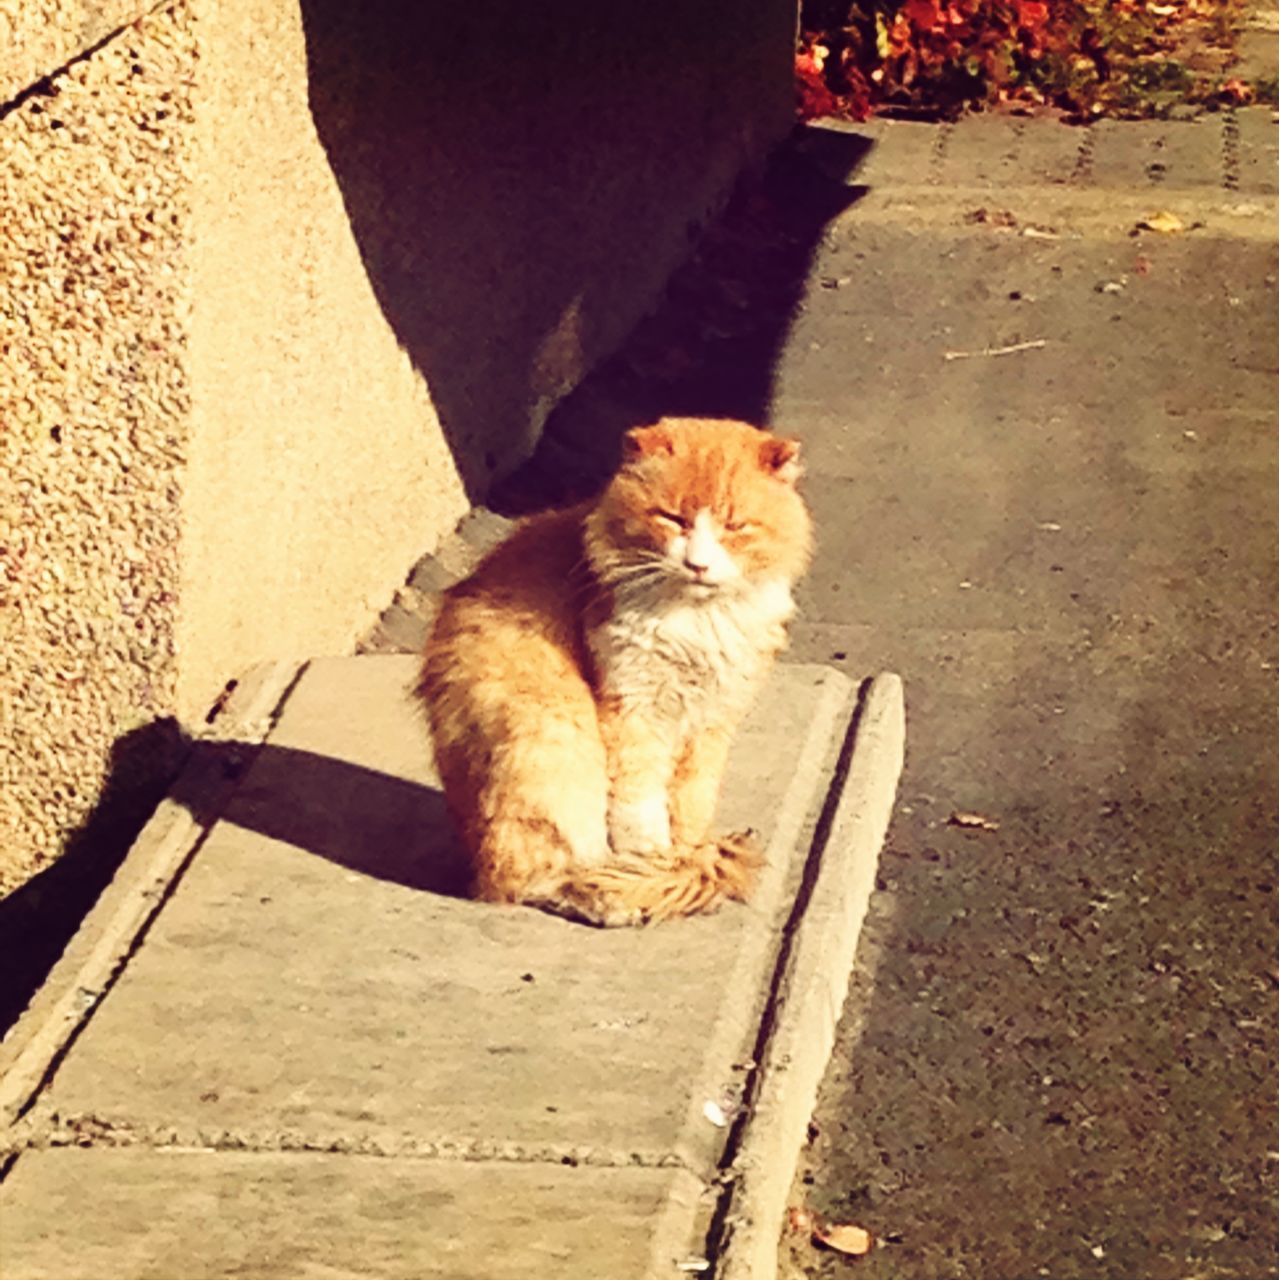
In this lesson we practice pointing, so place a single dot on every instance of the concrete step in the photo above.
(280, 1048)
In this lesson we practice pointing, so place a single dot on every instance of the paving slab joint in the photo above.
(1230, 151)
(937, 156)
(48, 1129)
(146, 880)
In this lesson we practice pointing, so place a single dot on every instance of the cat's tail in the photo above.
(685, 881)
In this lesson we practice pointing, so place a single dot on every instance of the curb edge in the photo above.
(809, 994)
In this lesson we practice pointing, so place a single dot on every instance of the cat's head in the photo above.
(701, 506)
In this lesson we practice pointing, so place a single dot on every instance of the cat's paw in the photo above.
(640, 827)
(582, 903)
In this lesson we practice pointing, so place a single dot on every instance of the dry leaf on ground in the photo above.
(1164, 222)
(844, 1237)
(977, 821)
(990, 217)
(1237, 90)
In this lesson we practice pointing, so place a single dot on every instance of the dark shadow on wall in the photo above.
(369, 822)
(522, 178)
(711, 348)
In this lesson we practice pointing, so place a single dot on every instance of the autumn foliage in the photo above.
(1082, 56)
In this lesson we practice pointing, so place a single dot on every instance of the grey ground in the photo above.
(1059, 1057)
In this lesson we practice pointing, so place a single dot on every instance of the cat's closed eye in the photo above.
(669, 517)
(739, 526)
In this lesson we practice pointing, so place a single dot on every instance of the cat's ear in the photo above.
(644, 442)
(780, 456)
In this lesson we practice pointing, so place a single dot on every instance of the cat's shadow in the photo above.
(370, 822)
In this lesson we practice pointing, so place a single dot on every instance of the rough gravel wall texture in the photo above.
(94, 410)
(38, 37)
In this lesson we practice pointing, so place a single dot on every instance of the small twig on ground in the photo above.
(1032, 345)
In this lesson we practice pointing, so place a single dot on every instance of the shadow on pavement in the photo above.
(367, 821)
(38, 919)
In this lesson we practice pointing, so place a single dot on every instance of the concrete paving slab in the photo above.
(1002, 151)
(312, 989)
(189, 1216)
(300, 956)
(88, 966)
(1169, 153)
(1258, 147)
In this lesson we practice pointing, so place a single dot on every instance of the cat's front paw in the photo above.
(640, 826)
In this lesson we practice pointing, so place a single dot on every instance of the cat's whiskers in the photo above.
(632, 568)
(593, 580)
(635, 568)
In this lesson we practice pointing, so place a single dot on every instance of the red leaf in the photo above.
(1237, 90)
(925, 15)
(811, 90)
(1031, 13)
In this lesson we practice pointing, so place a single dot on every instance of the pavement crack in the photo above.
(937, 160)
(1230, 151)
(1081, 174)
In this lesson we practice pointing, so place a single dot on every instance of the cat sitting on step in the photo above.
(583, 684)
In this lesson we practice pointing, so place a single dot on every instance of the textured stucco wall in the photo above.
(317, 470)
(284, 283)
(94, 417)
(37, 37)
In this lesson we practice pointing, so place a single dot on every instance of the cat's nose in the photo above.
(696, 567)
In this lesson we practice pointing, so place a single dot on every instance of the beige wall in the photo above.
(317, 470)
(289, 283)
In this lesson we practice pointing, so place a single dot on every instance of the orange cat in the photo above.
(583, 684)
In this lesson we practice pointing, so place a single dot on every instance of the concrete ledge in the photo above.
(812, 985)
(100, 947)
(275, 1007)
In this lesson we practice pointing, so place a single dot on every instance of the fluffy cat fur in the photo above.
(582, 686)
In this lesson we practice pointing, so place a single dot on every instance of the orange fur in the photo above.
(582, 686)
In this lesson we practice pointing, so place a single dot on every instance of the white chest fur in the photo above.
(687, 658)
